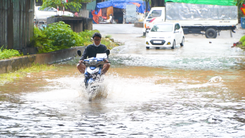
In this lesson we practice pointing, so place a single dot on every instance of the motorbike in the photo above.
(93, 76)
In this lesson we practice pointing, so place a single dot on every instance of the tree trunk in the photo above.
(157, 3)
(146, 5)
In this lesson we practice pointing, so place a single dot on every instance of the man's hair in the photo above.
(96, 34)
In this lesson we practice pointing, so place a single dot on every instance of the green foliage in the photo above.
(242, 46)
(108, 36)
(59, 36)
(239, 2)
(8, 53)
(71, 4)
(242, 39)
(41, 41)
(87, 35)
(241, 43)
(56, 36)
(109, 44)
(62, 35)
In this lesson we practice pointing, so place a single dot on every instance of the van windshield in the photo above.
(162, 28)
(155, 13)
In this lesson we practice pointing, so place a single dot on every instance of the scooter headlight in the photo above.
(93, 62)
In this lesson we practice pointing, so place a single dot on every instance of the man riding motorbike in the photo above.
(91, 51)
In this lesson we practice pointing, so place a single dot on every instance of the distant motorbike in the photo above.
(93, 74)
(106, 21)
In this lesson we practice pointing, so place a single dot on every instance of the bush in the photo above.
(8, 53)
(59, 36)
(242, 39)
(62, 35)
(56, 36)
(41, 41)
(243, 43)
(109, 44)
(87, 35)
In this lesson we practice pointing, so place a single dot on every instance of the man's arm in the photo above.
(80, 66)
(85, 54)
(106, 66)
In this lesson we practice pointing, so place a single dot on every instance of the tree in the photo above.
(71, 4)
(239, 2)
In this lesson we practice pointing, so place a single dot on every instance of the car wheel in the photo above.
(174, 44)
(144, 33)
(211, 33)
(182, 42)
(147, 47)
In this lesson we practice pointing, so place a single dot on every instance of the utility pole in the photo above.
(146, 7)
(157, 3)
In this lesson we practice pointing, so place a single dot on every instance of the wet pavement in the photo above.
(191, 91)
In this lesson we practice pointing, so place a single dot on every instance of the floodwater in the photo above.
(192, 91)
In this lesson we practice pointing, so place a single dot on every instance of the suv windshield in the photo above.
(155, 13)
(162, 28)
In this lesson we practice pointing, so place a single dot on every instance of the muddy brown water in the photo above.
(192, 91)
(141, 102)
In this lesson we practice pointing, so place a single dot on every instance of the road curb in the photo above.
(14, 64)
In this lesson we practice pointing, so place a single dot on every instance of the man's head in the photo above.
(97, 38)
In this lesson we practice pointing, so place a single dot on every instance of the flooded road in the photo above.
(193, 91)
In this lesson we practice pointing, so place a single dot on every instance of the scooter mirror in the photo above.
(107, 52)
(79, 52)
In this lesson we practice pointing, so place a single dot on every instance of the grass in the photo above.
(8, 53)
(21, 73)
(108, 36)
(241, 43)
(241, 46)
(108, 43)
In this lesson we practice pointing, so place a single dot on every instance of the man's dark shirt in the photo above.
(92, 50)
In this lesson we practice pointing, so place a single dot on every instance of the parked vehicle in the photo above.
(165, 35)
(195, 18)
(43, 14)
